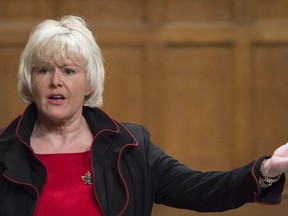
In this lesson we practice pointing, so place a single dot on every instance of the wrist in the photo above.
(267, 180)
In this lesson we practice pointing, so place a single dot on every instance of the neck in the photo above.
(62, 128)
(61, 137)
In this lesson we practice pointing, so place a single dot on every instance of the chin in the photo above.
(57, 117)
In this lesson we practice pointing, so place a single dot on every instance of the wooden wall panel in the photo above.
(191, 11)
(269, 9)
(15, 10)
(10, 104)
(270, 96)
(124, 82)
(196, 104)
(215, 69)
(109, 12)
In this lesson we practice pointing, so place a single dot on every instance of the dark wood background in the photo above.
(208, 78)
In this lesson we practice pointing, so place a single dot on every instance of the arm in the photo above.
(176, 185)
(181, 187)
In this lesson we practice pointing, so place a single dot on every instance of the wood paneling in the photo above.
(190, 11)
(10, 104)
(206, 77)
(191, 99)
(269, 9)
(270, 96)
(125, 82)
(108, 12)
(15, 10)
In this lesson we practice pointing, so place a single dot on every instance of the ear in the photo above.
(88, 91)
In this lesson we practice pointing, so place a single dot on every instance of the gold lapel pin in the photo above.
(87, 178)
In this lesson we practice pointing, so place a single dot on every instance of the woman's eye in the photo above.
(43, 70)
(69, 71)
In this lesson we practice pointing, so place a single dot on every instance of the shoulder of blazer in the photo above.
(138, 131)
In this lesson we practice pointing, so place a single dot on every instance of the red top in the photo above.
(65, 192)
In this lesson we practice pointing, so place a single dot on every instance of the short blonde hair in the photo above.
(58, 39)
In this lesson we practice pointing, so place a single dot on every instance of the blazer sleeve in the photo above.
(179, 186)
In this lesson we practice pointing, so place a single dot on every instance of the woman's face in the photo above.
(59, 90)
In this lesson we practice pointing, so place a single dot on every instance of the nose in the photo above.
(55, 80)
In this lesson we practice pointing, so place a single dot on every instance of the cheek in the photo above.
(35, 92)
(37, 87)
(35, 83)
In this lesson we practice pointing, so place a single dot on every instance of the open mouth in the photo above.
(56, 97)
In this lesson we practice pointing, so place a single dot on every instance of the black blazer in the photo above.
(130, 173)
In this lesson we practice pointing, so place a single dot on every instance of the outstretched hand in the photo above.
(278, 163)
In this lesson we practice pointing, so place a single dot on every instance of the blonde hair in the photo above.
(58, 39)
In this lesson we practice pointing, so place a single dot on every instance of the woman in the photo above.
(64, 156)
